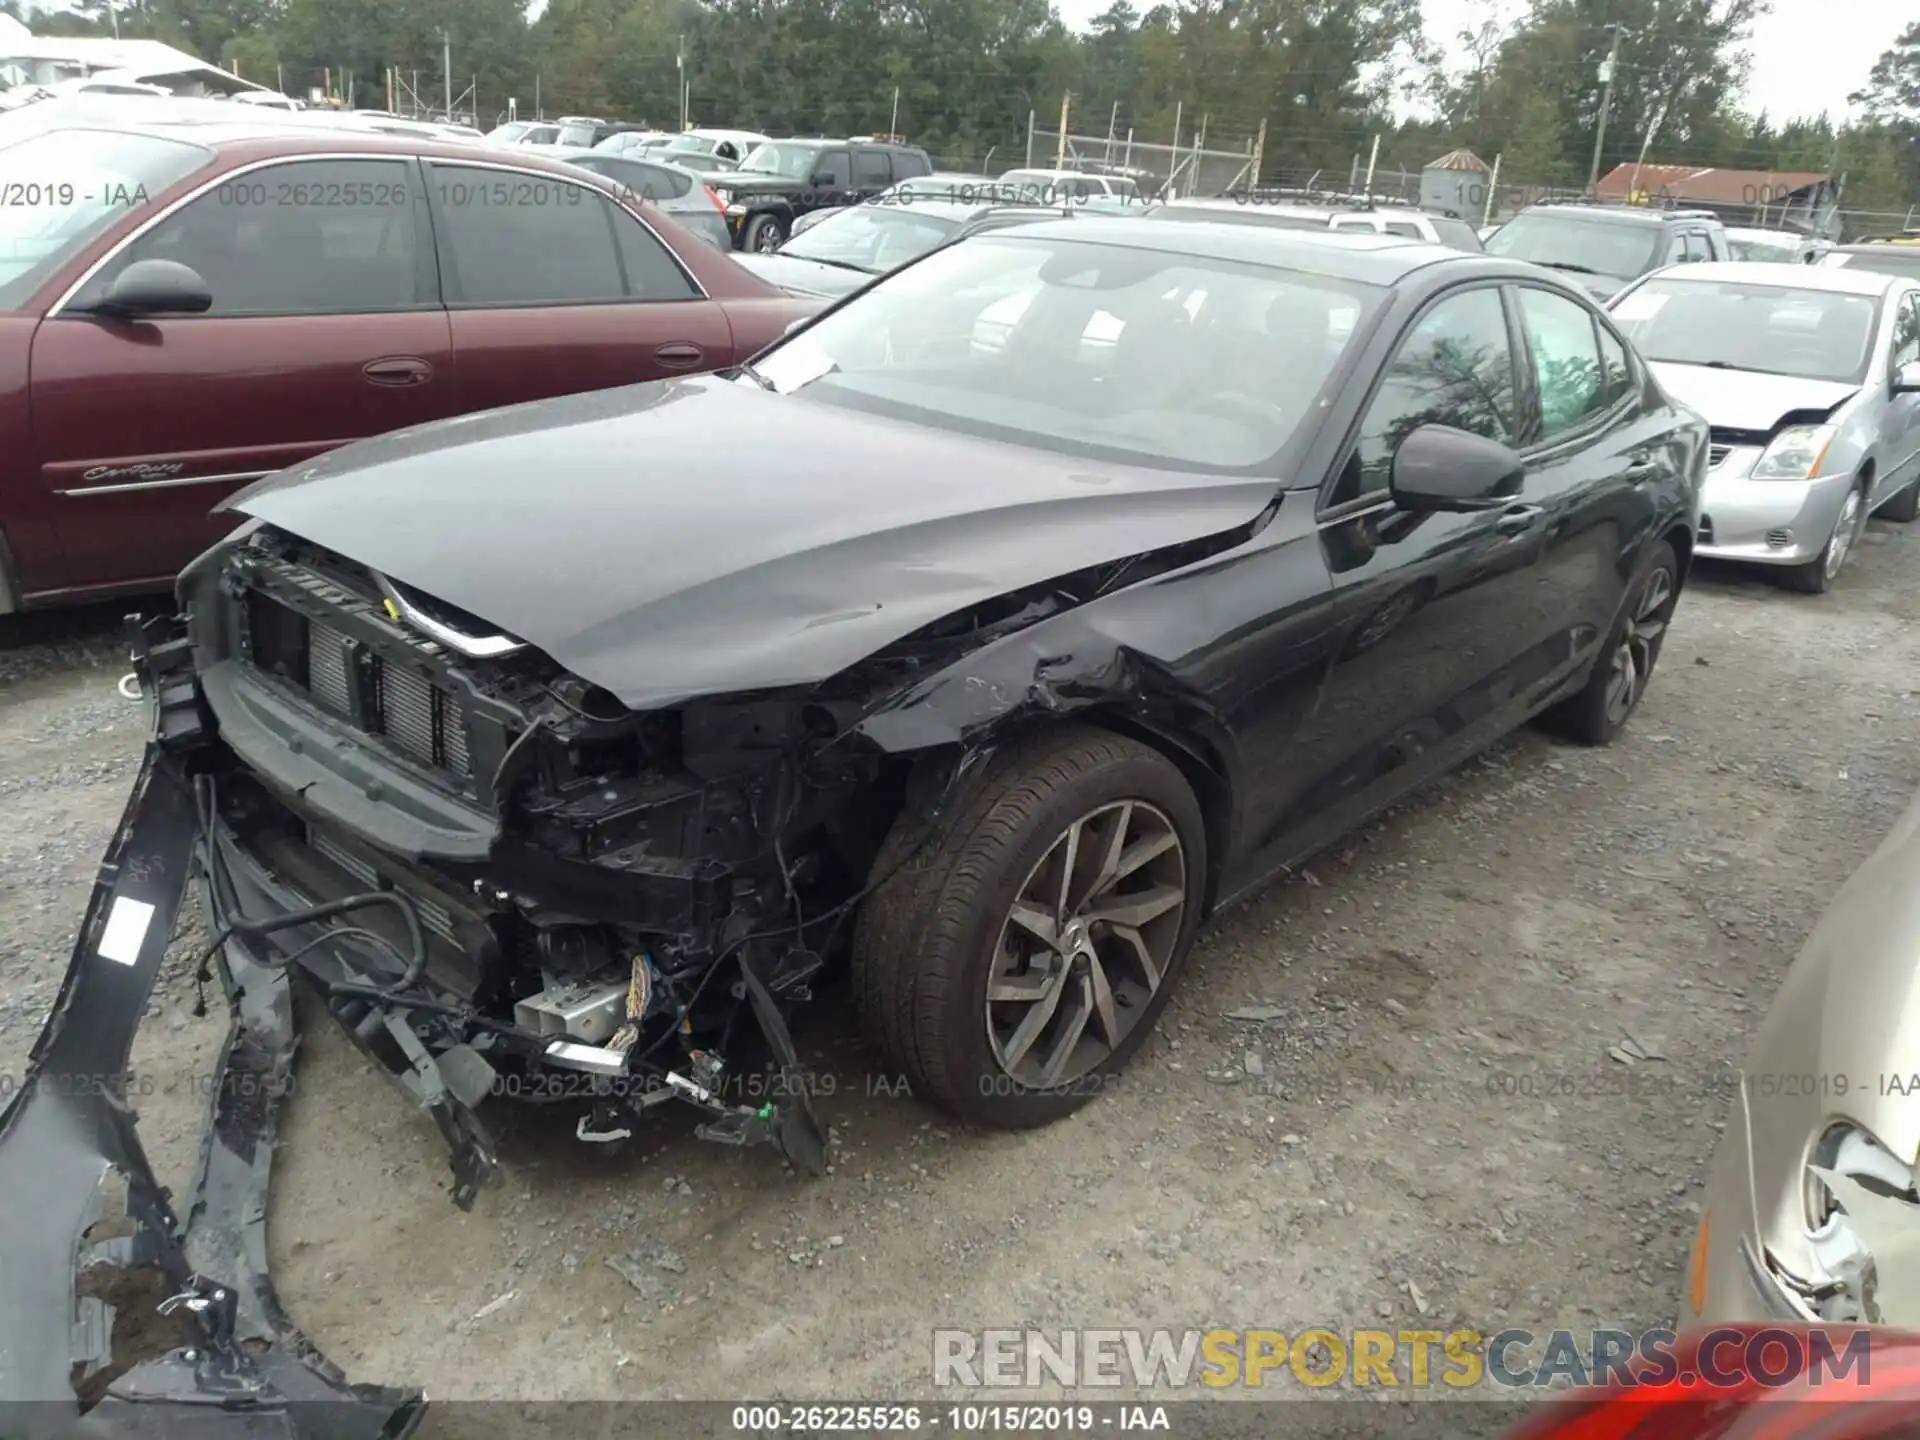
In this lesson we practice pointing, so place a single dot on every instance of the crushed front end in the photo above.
(500, 880)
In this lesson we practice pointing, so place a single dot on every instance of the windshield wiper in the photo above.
(1729, 365)
(746, 369)
(1568, 265)
(837, 264)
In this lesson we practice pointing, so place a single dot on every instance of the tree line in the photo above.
(963, 76)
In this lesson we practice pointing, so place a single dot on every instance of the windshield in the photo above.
(64, 187)
(1622, 249)
(871, 239)
(512, 130)
(1148, 357)
(1763, 247)
(795, 162)
(1774, 329)
(579, 133)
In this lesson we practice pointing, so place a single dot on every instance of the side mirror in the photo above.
(1906, 379)
(823, 180)
(1440, 468)
(155, 287)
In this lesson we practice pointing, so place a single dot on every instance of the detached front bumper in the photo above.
(1767, 522)
(119, 1316)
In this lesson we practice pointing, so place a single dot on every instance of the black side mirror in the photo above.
(823, 180)
(154, 287)
(1438, 467)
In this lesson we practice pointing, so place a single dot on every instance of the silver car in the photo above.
(1811, 1211)
(1810, 379)
(673, 189)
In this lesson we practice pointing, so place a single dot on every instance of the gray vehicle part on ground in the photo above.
(138, 1323)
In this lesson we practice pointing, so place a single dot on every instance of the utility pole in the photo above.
(446, 65)
(1607, 67)
(680, 70)
(1060, 152)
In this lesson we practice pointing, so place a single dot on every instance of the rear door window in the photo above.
(512, 237)
(1566, 360)
(870, 168)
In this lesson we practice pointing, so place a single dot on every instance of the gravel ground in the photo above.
(1383, 1096)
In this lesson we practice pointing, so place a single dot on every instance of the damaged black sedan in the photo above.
(1048, 595)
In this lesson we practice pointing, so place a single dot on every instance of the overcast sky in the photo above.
(1808, 55)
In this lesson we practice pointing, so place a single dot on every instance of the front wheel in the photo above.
(1599, 711)
(1013, 961)
(765, 234)
(1816, 577)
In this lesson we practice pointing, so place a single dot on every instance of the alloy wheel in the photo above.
(1845, 532)
(1633, 657)
(1086, 944)
(768, 240)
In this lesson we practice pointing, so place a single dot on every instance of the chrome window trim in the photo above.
(236, 477)
(699, 290)
(225, 177)
(478, 647)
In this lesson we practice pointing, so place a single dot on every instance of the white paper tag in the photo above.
(126, 928)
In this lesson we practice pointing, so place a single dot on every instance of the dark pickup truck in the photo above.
(784, 179)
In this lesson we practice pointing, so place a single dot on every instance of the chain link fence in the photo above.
(1198, 165)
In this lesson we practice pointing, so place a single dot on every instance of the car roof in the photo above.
(1789, 275)
(1361, 256)
(1760, 232)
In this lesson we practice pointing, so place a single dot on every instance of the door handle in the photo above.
(1517, 518)
(1642, 465)
(395, 371)
(680, 355)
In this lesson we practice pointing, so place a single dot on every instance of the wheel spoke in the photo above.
(1141, 851)
(1648, 631)
(1138, 909)
(1103, 1007)
(1113, 852)
(1063, 904)
(1137, 943)
(1031, 1024)
(1035, 922)
(1027, 989)
(1072, 1027)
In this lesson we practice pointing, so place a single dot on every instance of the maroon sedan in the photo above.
(191, 299)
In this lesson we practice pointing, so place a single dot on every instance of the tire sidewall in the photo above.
(762, 225)
(983, 1090)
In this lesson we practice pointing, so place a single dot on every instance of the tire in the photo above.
(930, 938)
(1595, 714)
(1816, 577)
(765, 234)
(1905, 506)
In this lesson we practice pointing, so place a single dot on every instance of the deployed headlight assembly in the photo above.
(1795, 453)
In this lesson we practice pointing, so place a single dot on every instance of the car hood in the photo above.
(1743, 400)
(702, 536)
(806, 277)
(752, 183)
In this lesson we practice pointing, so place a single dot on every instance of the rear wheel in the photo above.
(1602, 707)
(1905, 506)
(1020, 957)
(1816, 577)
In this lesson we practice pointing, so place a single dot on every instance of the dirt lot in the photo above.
(1429, 1129)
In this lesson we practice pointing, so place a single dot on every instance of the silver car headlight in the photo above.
(1795, 453)
(1861, 1203)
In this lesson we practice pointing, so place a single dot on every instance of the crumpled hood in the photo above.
(1742, 400)
(701, 536)
(809, 277)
